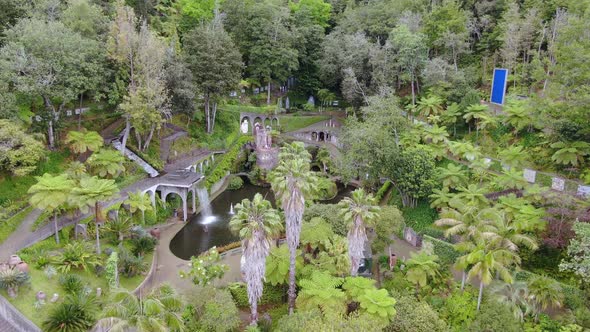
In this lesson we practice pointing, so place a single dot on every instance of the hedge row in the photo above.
(227, 162)
(444, 250)
(381, 192)
(270, 294)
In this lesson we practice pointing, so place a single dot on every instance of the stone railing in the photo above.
(148, 282)
(12, 320)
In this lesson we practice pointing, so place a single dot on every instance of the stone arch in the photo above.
(245, 117)
(274, 122)
(322, 136)
(267, 122)
(314, 136)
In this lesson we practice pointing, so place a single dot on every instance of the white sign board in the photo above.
(77, 111)
(69, 112)
(558, 184)
(584, 191)
(529, 175)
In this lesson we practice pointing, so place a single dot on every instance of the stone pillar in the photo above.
(153, 197)
(183, 196)
(194, 201)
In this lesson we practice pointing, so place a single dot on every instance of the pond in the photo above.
(200, 234)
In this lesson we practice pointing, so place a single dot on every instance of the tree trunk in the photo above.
(138, 139)
(50, 137)
(207, 119)
(213, 114)
(254, 313)
(291, 292)
(80, 114)
(143, 217)
(125, 134)
(149, 138)
(55, 227)
(413, 93)
(480, 294)
(463, 277)
(96, 224)
(268, 93)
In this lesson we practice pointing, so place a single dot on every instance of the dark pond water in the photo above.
(196, 237)
(199, 235)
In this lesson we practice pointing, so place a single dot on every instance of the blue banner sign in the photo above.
(499, 86)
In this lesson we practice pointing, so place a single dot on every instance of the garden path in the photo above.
(166, 142)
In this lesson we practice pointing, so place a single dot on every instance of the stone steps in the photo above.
(142, 163)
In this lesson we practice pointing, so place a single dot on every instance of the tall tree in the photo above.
(411, 52)
(49, 60)
(50, 193)
(293, 182)
(257, 223)
(360, 211)
(215, 63)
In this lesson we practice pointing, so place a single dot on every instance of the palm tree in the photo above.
(82, 141)
(120, 227)
(486, 261)
(452, 176)
(440, 198)
(435, 134)
(76, 170)
(324, 158)
(450, 116)
(545, 292)
(50, 193)
(473, 113)
(257, 223)
(570, 153)
(11, 279)
(431, 105)
(359, 210)
(515, 296)
(472, 195)
(139, 202)
(484, 120)
(422, 268)
(503, 234)
(90, 193)
(464, 150)
(107, 162)
(513, 156)
(517, 115)
(292, 181)
(160, 311)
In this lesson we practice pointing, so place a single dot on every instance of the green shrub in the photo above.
(459, 310)
(330, 213)
(235, 183)
(326, 189)
(444, 250)
(71, 284)
(212, 309)
(390, 220)
(574, 298)
(416, 316)
(381, 192)
(227, 162)
(495, 317)
(76, 255)
(270, 295)
(420, 217)
(143, 245)
(130, 265)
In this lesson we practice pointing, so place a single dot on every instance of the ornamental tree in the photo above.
(578, 253)
(205, 268)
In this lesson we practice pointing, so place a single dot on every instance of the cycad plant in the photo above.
(257, 224)
(11, 279)
(422, 269)
(76, 314)
(360, 211)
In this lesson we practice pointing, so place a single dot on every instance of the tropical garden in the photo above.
(429, 208)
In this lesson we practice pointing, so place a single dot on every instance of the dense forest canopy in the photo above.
(394, 97)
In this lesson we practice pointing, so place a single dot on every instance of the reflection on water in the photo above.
(200, 234)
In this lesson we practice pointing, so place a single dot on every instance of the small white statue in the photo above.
(244, 126)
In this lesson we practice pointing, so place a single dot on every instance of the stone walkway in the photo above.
(137, 159)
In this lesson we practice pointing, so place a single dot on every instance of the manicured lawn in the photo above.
(15, 188)
(291, 123)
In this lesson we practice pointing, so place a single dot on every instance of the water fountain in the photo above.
(231, 208)
(207, 216)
